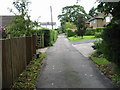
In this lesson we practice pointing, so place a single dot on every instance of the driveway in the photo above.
(67, 68)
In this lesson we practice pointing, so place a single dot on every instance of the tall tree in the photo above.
(81, 26)
(74, 14)
(70, 13)
(93, 12)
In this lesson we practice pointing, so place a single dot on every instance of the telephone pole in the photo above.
(51, 16)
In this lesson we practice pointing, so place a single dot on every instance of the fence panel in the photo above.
(7, 79)
(18, 54)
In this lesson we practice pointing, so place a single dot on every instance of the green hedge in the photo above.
(45, 37)
(94, 31)
(70, 33)
(90, 31)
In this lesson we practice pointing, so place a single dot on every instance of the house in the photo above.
(6, 20)
(99, 21)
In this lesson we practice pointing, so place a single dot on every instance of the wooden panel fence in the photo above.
(16, 54)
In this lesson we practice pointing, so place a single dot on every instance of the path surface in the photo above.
(84, 48)
(67, 68)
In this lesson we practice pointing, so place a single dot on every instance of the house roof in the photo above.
(100, 16)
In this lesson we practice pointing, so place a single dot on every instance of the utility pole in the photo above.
(51, 16)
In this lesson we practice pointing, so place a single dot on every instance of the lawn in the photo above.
(100, 61)
(78, 38)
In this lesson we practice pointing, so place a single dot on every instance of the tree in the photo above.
(93, 12)
(111, 42)
(72, 14)
(22, 23)
(81, 26)
(69, 25)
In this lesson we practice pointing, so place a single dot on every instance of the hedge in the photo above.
(94, 31)
(46, 37)
(90, 31)
(70, 33)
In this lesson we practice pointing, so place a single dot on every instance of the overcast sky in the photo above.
(42, 8)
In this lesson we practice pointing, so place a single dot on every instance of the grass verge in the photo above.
(78, 38)
(27, 79)
(109, 69)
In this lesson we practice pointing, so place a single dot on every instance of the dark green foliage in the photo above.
(112, 43)
(98, 46)
(98, 34)
(46, 37)
(80, 24)
(100, 29)
(90, 31)
(70, 33)
(93, 12)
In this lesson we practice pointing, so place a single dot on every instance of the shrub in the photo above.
(47, 37)
(90, 31)
(98, 47)
(98, 34)
(100, 29)
(111, 36)
(70, 33)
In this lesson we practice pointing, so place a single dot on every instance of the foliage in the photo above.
(81, 25)
(93, 12)
(90, 31)
(109, 69)
(98, 47)
(74, 14)
(22, 24)
(69, 13)
(78, 38)
(100, 61)
(98, 34)
(47, 37)
(68, 25)
(70, 33)
(110, 7)
(111, 42)
(27, 79)
(100, 29)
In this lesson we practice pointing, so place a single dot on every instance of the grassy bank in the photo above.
(109, 69)
(27, 79)
(78, 38)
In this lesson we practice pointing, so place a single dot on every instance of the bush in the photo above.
(98, 34)
(98, 46)
(100, 29)
(111, 36)
(90, 31)
(46, 37)
(70, 33)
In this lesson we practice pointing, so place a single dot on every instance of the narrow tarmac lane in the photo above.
(67, 68)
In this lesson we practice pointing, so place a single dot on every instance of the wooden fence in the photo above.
(16, 54)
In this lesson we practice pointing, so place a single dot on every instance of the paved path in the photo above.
(67, 68)
(84, 48)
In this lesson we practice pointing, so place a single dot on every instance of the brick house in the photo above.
(99, 21)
